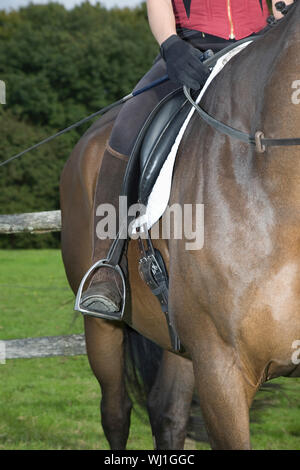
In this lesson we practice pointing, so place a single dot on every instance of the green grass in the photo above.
(276, 417)
(53, 403)
(49, 403)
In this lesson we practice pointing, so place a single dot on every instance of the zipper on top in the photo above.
(231, 35)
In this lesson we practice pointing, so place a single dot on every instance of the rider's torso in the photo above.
(228, 19)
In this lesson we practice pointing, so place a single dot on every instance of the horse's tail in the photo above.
(143, 358)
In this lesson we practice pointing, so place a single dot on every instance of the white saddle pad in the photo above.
(160, 194)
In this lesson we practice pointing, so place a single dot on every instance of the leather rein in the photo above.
(258, 139)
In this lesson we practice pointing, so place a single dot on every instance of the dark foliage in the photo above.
(60, 66)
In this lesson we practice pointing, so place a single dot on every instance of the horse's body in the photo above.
(236, 302)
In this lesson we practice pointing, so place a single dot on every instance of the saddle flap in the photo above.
(159, 139)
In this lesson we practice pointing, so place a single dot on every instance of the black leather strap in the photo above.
(239, 135)
(280, 142)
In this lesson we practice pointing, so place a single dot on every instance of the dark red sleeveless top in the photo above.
(224, 18)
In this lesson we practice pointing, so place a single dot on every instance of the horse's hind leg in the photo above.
(169, 402)
(104, 341)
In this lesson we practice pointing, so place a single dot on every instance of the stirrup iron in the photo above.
(103, 263)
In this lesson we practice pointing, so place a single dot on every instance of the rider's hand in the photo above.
(184, 64)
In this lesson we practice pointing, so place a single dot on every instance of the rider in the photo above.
(182, 28)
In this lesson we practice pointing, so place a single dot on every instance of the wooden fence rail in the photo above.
(48, 346)
(32, 222)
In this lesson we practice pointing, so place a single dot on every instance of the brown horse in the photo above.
(235, 301)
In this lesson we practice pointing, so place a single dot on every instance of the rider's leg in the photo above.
(104, 292)
(136, 111)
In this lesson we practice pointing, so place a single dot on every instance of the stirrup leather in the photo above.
(103, 263)
(154, 273)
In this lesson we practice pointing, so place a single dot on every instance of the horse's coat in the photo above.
(236, 302)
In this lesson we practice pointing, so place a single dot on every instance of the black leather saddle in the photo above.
(153, 146)
(159, 138)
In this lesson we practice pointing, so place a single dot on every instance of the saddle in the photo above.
(150, 151)
(161, 131)
(153, 146)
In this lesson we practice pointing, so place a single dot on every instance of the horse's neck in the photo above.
(262, 97)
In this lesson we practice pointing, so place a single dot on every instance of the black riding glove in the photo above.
(184, 64)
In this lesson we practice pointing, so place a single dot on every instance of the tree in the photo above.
(59, 66)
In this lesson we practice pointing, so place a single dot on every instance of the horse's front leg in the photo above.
(169, 402)
(225, 388)
(104, 342)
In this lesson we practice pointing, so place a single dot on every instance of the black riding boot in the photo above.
(104, 294)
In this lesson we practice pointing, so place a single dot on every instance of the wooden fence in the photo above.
(50, 346)
(33, 222)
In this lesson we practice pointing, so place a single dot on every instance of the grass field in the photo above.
(53, 403)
